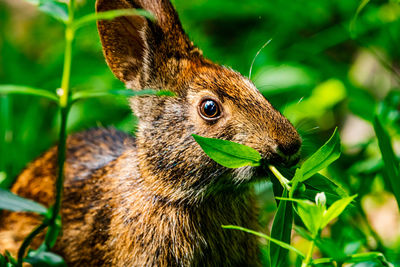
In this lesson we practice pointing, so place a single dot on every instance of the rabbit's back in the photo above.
(88, 153)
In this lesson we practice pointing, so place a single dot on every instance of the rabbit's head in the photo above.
(210, 100)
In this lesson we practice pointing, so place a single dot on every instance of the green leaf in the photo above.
(12, 202)
(227, 153)
(326, 184)
(107, 15)
(57, 10)
(42, 258)
(322, 261)
(273, 240)
(319, 183)
(281, 230)
(310, 213)
(368, 256)
(54, 8)
(26, 90)
(336, 209)
(116, 92)
(392, 168)
(165, 93)
(324, 156)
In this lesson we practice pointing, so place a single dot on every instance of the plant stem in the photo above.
(61, 163)
(28, 240)
(64, 103)
(65, 106)
(283, 181)
(69, 37)
(308, 259)
(61, 156)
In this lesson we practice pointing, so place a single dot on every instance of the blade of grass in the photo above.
(26, 90)
(273, 240)
(368, 256)
(363, 3)
(392, 168)
(107, 15)
(281, 230)
(116, 92)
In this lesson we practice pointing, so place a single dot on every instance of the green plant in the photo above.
(64, 99)
(314, 215)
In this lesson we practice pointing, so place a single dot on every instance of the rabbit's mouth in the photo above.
(251, 174)
(281, 160)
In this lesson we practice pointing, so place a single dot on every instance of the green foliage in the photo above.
(314, 215)
(52, 220)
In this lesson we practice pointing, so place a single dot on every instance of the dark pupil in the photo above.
(210, 108)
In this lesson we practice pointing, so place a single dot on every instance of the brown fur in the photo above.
(158, 200)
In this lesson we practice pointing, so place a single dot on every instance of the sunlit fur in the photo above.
(158, 199)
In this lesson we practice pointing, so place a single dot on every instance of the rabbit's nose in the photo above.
(289, 148)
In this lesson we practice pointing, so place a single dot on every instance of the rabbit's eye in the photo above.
(209, 109)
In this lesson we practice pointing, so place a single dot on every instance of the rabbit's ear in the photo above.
(141, 52)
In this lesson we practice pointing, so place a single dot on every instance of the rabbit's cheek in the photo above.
(243, 174)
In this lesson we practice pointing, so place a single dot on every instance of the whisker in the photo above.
(312, 130)
(258, 52)
(301, 99)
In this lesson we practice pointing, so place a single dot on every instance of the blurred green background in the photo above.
(328, 64)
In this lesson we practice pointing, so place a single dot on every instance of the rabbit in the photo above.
(157, 199)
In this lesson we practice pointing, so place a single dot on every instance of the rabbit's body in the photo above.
(158, 199)
(111, 218)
